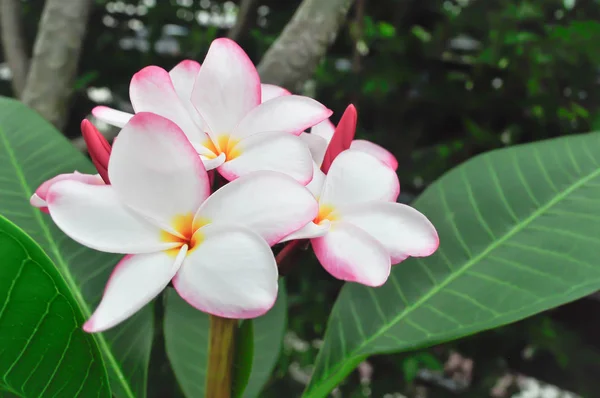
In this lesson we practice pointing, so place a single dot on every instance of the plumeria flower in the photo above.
(321, 135)
(360, 230)
(219, 107)
(215, 249)
(38, 199)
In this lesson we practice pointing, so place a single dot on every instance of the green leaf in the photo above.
(186, 342)
(244, 353)
(44, 352)
(519, 231)
(32, 151)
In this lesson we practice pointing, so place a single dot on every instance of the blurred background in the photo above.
(434, 81)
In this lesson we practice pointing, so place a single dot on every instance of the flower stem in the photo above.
(220, 357)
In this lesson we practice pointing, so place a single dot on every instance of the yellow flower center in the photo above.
(326, 212)
(225, 144)
(187, 232)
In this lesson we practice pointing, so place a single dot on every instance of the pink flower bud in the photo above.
(98, 148)
(342, 137)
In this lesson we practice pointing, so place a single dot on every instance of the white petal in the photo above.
(376, 150)
(111, 116)
(325, 130)
(350, 254)
(156, 171)
(269, 203)
(94, 216)
(356, 177)
(232, 273)
(183, 76)
(317, 146)
(310, 230)
(39, 197)
(227, 87)
(135, 281)
(402, 230)
(270, 151)
(270, 91)
(315, 186)
(288, 114)
(151, 90)
(213, 163)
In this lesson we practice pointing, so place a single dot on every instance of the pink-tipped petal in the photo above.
(111, 116)
(376, 150)
(98, 148)
(401, 229)
(285, 153)
(356, 177)
(342, 137)
(156, 171)
(325, 130)
(183, 76)
(286, 114)
(269, 203)
(310, 230)
(317, 146)
(152, 90)
(270, 91)
(42, 191)
(351, 254)
(94, 216)
(134, 282)
(232, 273)
(227, 87)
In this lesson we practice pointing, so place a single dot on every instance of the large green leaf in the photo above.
(186, 339)
(32, 151)
(519, 231)
(44, 352)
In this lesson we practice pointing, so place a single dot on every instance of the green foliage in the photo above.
(32, 151)
(244, 354)
(519, 234)
(186, 338)
(45, 353)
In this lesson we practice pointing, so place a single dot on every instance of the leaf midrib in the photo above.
(451, 277)
(64, 267)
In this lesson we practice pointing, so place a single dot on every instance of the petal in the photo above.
(183, 76)
(317, 146)
(350, 254)
(134, 282)
(39, 197)
(94, 216)
(269, 203)
(342, 137)
(270, 91)
(156, 171)
(111, 116)
(281, 152)
(310, 230)
(356, 177)
(288, 114)
(315, 186)
(227, 87)
(232, 273)
(213, 163)
(376, 150)
(325, 130)
(401, 229)
(151, 90)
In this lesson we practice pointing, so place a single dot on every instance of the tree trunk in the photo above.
(55, 58)
(15, 50)
(294, 56)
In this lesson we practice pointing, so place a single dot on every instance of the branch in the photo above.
(243, 20)
(294, 56)
(55, 57)
(15, 52)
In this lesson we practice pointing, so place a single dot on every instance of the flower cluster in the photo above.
(215, 168)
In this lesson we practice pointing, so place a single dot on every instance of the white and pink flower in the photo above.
(220, 108)
(360, 230)
(160, 212)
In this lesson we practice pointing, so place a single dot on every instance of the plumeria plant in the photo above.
(211, 187)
